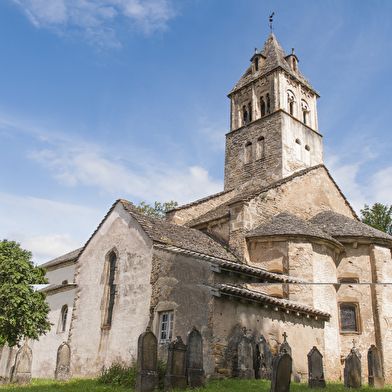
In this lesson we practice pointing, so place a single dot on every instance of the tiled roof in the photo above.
(247, 194)
(239, 267)
(338, 225)
(71, 256)
(297, 308)
(182, 237)
(53, 287)
(287, 224)
(274, 57)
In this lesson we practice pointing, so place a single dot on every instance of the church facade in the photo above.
(278, 251)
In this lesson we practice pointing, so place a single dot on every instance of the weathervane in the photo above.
(271, 19)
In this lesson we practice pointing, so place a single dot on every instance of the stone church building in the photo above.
(279, 250)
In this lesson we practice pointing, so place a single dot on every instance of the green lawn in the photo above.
(229, 385)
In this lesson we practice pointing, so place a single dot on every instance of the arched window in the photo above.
(245, 115)
(307, 155)
(63, 318)
(268, 104)
(112, 289)
(262, 107)
(298, 149)
(290, 101)
(260, 147)
(250, 112)
(305, 112)
(248, 152)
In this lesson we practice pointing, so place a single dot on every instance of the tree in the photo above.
(158, 210)
(379, 217)
(23, 311)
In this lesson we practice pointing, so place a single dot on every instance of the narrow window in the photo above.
(305, 111)
(245, 114)
(298, 149)
(260, 147)
(307, 155)
(250, 112)
(268, 104)
(290, 101)
(112, 289)
(248, 152)
(257, 64)
(349, 318)
(304, 117)
(262, 106)
(63, 319)
(166, 326)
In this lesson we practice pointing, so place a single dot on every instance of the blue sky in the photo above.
(108, 99)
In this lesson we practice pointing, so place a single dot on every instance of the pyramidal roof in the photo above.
(287, 224)
(275, 57)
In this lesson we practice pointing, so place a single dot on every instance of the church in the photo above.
(279, 252)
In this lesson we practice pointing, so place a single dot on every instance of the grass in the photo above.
(229, 385)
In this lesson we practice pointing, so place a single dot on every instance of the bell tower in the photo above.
(273, 125)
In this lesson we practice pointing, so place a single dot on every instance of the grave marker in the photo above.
(22, 369)
(265, 368)
(315, 369)
(194, 359)
(281, 373)
(176, 365)
(375, 369)
(245, 359)
(352, 369)
(147, 362)
(63, 369)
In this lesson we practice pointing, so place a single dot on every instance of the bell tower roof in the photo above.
(271, 57)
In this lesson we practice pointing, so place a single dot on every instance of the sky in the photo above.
(109, 99)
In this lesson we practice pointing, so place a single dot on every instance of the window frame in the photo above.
(62, 325)
(168, 326)
(111, 290)
(354, 305)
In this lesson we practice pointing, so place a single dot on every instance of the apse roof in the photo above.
(71, 256)
(274, 58)
(338, 225)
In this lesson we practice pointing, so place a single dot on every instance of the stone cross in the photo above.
(147, 362)
(22, 369)
(315, 369)
(285, 336)
(194, 359)
(63, 369)
(376, 378)
(176, 365)
(352, 369)
(281, 373)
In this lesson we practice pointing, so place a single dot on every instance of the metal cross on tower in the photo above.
(271, 19)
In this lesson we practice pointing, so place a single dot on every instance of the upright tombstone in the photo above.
(375, 369)
(194, 359)
(176, 365)
(265, 362)
(352, 369)
(63, 369)
(285, 347)
(281, 373)
(22, 368)
(7, 361)
(147, 362)
(245, 359)
(315, 369)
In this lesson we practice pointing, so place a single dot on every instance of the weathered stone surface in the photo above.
(376, 378)
(21, 374)
(245, 359)
(194, 359)
(7, 361)
(352, 369)
(63, 368)
(315, 369)
(265, 361)
(147, 362)
(281, 373)
(176, 365)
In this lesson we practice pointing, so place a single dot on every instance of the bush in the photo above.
(121, 375)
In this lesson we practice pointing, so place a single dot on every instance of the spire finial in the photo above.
(271, 19)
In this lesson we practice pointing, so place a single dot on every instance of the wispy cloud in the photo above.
(97, 20)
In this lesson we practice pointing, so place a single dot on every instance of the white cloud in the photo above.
(382, 187)
(88, 167)
(95, 19)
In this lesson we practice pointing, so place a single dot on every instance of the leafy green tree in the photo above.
(378, 216)
(158, 210)
(23, 311)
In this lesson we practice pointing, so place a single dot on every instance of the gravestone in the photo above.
(281, 373)
(315, 369)
(7, 361)
(147, 362)
(245, 359)
(265, 367)
(21, 374)
(375, 369)
(285, 347)
(352, 369)
(63, 369)
(176, 365)
(194, 359)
